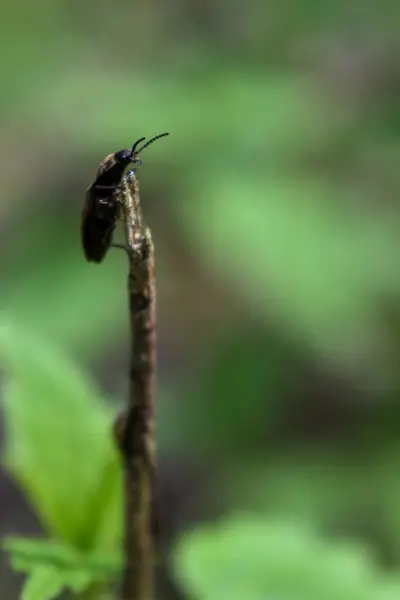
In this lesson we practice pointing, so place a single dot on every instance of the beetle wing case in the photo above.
(106, 164)
(96, 237)
(101, 210)
(96, 232)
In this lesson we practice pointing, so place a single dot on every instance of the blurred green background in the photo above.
(274, 207)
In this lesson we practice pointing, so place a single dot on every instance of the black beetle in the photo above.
(102, 207)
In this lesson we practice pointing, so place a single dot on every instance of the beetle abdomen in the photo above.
(96, 237)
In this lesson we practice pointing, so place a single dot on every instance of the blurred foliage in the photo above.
(231, 378)
(248, 557)
(274, 207)
(53, 566)
(61, 452)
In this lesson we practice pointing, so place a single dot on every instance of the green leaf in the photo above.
(59, 442)
(78, 581)
(45, 583)
(253, 558)
(29, 554)
(49, 563)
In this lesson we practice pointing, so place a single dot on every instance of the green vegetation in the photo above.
(275, 214)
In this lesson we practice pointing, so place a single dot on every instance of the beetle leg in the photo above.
(140, 246)
(122, 247)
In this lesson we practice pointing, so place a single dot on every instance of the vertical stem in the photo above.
(136, 425)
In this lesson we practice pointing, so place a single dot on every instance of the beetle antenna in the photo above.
(150, 141)
(135, 145)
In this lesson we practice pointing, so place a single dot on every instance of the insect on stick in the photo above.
(116, 194)
(102, 208)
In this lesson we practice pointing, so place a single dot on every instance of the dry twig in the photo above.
(135, 428)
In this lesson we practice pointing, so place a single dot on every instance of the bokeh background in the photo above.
(275, 214)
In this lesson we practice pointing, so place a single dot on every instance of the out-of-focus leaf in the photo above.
(45, 583)
(249, 557)
(37, 41)
(52, 566)
(60, 446)
(219, 406)
(317, 489)
(60, 295)
(246, 111)
(296, 258)
(359, 491)
(28, 554)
